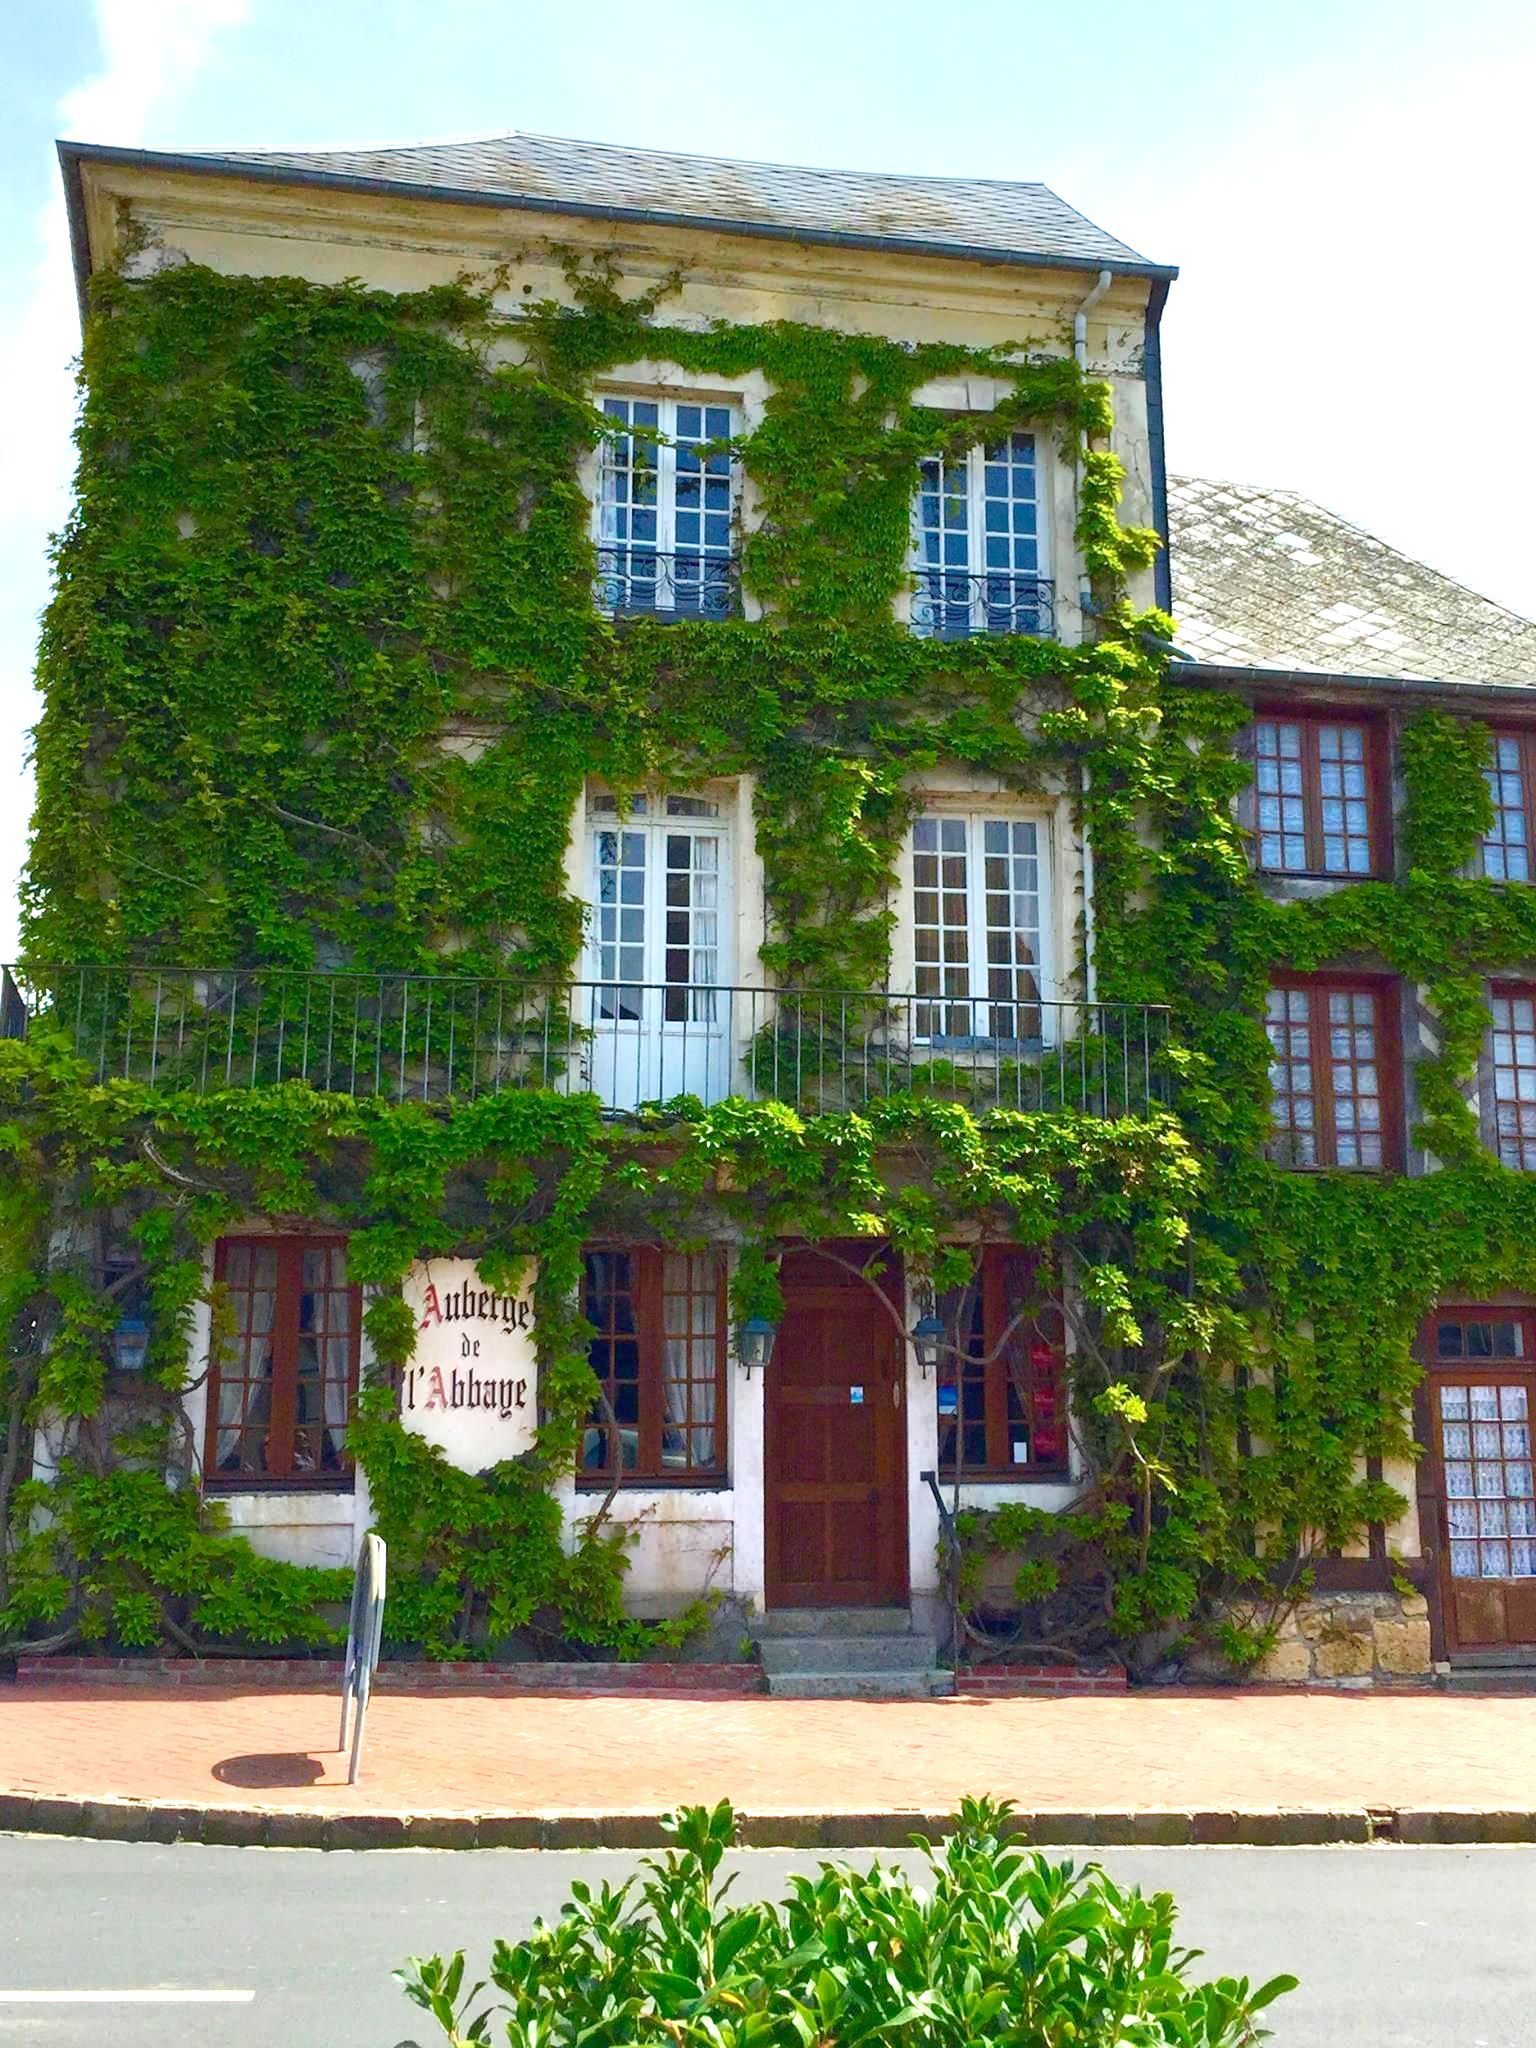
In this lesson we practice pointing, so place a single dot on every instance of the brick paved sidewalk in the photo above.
(531, 1756)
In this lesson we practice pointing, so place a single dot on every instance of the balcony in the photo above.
(960, 604)
(637, 582)
(440, 1038)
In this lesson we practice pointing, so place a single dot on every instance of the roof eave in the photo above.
(1226, 675)
(73, 154)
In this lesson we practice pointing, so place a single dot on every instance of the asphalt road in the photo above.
(1396, 1948)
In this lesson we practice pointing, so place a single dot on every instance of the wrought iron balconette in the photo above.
(966, 604)
(637, 582)
(445, 1037)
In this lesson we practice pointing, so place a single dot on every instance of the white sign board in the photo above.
(472, 1384)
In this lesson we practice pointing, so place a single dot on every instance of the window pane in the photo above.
(1512, 1051)
(1282, 816)
(941, 904)
(323, 1364)
(608, 1302)
(690, 1284)
(1505, 850)
(1356, 1084)
(1287, 1021)
(961, 1383)
(246, 1362)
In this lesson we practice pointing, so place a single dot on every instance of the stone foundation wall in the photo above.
(1351, 1639)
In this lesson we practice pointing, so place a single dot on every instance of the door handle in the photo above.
(896, 1391)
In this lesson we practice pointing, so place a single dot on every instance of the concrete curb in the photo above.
(131, 1820)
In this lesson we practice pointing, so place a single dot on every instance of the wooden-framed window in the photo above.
(1512, 1060)
(1512, 784)
(980, 929)
(1002, 1406)
(1480, 1379)
(666, 507)
(1334, 1073)
(658, 1351)
(282, 1383)
(1320, 802)
(978, 551)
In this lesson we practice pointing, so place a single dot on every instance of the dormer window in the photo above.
(977, 552)
(667, 487)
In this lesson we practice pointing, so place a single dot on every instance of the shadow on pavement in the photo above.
(281, 1767)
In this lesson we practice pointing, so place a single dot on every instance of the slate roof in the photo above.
(1266, 579)
(986, 217)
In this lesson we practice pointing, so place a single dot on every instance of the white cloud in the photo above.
(151, 52)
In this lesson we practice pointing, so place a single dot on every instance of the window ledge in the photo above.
(1008, 1475)
(281, 1489)
(593, 1487)
(285, 1502)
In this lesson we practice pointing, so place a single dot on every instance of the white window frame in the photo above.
(657, 822)
(977, 611)
(665, 545)
(979, 996)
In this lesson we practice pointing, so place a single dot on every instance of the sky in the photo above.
(1346, 185)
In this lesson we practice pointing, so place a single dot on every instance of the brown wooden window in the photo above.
(1512, 1043)
(659, 1353)
(281, 1385)
(1512, 785)
(1333, 1074)
(1002, 1404)
(1318, 796)
(1481, 1383)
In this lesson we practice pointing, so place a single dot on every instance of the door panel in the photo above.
(835, 1452)
(1481, 1424)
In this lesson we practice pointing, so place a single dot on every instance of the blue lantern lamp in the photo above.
(928, 1334)
(130, 1344)
(754, 1342)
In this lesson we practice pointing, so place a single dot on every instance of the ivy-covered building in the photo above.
(652, 966)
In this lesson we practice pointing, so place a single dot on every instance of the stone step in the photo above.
(1510, 1657)
(832, 1621)
(861, 1685)
(848, 1653)
(1490, 1678)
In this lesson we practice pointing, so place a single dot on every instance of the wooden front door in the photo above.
(1481, 1402)
(836, 1495)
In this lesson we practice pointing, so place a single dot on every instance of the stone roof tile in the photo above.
(1268, 580)
(988, 215)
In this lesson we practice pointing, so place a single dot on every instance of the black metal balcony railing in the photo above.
(638, 582)
(961, 604)
(433, 1038)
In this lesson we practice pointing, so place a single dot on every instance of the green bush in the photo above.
(999, 1945)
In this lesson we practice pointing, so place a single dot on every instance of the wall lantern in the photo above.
(928, 1334)
(754, 1342)
(130, 1344)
